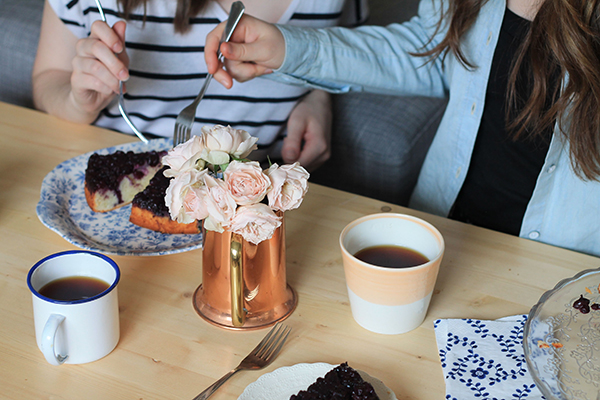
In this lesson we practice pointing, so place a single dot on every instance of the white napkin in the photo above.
(484, 360)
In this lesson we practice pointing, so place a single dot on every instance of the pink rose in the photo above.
(184, 157)
(220, 142)
(256, 222)
(195, 203)
(246, 182)
(177, 191)
(289, 184)
(219, 203)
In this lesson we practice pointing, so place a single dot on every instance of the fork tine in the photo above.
(272, 344)
(177, 135)
(275, 351)
(260, 348)
(183, 134)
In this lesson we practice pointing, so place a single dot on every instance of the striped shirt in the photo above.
(167, 69)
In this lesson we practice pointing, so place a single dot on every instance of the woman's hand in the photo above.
(75, 79)
(308, 138)
(98, 66)
(255, 48)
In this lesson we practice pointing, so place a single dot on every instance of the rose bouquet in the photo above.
(213, 181)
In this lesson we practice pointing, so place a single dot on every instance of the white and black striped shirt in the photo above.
(167, 69)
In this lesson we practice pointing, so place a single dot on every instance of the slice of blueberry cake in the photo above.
(149, 210)
(112, 180)
(341, 383)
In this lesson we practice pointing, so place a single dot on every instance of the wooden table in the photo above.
(167, 351)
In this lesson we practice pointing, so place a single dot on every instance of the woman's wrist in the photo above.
(52, 93)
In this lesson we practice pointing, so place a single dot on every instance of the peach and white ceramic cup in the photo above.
(80, 331)
(390, 300)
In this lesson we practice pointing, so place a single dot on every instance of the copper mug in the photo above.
(244, 285)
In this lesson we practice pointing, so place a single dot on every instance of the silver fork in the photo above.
(121, 100)
(185, 119)
(260, 357)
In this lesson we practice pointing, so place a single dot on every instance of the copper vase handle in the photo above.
(238, 313)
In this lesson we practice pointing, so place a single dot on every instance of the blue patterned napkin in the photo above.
(484, 360)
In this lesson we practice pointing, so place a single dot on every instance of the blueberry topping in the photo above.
(582, 304)
(107, 171)
(341, 383)
(153, 197)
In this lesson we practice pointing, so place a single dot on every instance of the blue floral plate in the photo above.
(63, 208)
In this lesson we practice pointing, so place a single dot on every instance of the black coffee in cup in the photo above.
(391, 256)
(73, 288)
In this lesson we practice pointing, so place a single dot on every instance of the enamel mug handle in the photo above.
(49, 337)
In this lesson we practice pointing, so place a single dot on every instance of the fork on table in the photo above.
(185, 119)
(262, 355)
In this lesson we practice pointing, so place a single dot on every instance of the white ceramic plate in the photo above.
(63, 208)
(286, 381)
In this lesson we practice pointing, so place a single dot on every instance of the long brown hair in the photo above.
(186, 9)
(563, 41)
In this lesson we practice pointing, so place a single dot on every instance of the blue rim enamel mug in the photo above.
(75, 331)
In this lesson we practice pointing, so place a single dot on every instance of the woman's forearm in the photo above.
(52, 94)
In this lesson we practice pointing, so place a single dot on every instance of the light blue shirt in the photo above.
(564, 210)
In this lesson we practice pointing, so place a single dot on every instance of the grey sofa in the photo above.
(382, 165)
(19, 34)
(379, 142)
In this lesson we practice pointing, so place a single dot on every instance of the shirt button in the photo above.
(551, 168)
(458, 171)
(489, 39)
(534, 235)
(473, 107)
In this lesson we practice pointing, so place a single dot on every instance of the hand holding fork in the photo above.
(121, 100)
(185, 119)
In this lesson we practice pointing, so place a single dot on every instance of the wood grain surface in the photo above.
(167, 351)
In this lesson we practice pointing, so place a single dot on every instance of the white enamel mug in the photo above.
(79, 331)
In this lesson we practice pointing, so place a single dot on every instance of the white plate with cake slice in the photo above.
(64, 209)
(287, 381)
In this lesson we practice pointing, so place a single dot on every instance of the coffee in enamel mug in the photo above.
(75, 306)
(73, 288)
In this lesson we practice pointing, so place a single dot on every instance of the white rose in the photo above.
(289, 184)
(219, 203)
(246, 182)
(184, 157)
(220, 142)
(256, 222)
(177, 191)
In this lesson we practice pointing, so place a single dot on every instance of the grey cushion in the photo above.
(379, 143)
(19, 34)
